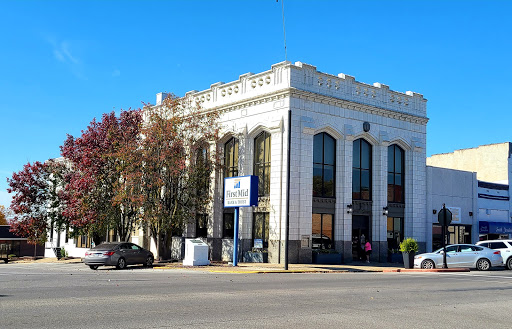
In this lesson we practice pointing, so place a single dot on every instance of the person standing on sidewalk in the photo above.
(368, 250)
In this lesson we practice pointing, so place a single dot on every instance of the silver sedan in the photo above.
(460, 255)
(118, 254)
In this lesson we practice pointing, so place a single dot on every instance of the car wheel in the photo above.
(121, 264)
(509, 263)
(427, 264)
(149, 261)
(483, 264)
(94, 267)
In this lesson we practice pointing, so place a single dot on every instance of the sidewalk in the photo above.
(218, 267)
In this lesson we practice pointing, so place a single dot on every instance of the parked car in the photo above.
(460, 255)
(118, 254)
(505, 248)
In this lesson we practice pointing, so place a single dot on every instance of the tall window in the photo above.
(230, 170)
(228, 230)
(231, 158)
(260, 228)
(324, 155)
(322, 231)
(203, 170)
(262, 162)
(395, 232)
(395, 174)
(362, 170)
(201, 225)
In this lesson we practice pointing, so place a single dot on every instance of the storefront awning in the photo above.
(495, 228)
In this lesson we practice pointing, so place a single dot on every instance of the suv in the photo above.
(505, 248)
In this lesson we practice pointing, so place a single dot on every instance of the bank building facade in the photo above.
(357, 166)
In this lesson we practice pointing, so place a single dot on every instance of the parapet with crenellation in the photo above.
(285, 77)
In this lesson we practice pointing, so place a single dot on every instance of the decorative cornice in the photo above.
(351, 105)
(307, 95)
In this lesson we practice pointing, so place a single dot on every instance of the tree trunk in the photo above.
(156, 239)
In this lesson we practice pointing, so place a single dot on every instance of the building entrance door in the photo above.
(360, 234)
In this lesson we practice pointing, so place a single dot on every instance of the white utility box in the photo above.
(196, 253)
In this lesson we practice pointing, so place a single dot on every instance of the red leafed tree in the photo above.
(30, 202)
(94, 198)
(37, 205)
(176, 165)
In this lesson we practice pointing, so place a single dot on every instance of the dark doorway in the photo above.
(360, 234)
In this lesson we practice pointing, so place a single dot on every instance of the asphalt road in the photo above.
(73, 296)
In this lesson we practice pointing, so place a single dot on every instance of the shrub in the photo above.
(409, 245)
(63, 253)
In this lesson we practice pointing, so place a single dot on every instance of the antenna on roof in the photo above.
(284, 31)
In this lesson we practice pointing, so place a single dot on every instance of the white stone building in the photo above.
(357, 155)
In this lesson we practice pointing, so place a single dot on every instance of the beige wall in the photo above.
(490, 162)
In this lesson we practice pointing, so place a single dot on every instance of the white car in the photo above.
(460, 255)
(505, 248)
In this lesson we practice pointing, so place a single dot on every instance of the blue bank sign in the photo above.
(240, 191)
(495, 228)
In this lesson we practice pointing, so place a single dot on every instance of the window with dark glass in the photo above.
(395, 232)
(230, 170)
(455, 234)
(322, 231)
(324, 155)
(396, 174)
(260, 227)
(362, 170)
(228, 231)
(262, 162)
(203, 170)
(201, 225)
(231, 158)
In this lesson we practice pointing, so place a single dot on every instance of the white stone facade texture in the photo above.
(319, 102)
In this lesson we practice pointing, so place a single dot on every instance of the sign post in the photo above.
(239, 192)
(444, 218)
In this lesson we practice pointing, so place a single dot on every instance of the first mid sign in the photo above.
(240, 191)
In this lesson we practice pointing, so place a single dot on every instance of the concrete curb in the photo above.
(419, 270)
(254, 268)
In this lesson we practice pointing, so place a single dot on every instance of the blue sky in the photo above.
(63, 63)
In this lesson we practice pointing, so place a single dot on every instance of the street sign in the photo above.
(444, 217)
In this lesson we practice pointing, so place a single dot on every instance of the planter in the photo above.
(326, 258)
(395, 258)
(408, 258)
(255, 257)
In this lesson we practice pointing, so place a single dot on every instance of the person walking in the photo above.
(368, 250)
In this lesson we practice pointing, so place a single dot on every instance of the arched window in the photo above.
(203, 169)
(324, 155)
(362, 170)
(231, 158)
(230, 170)
(395, 174)
(262, 162)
